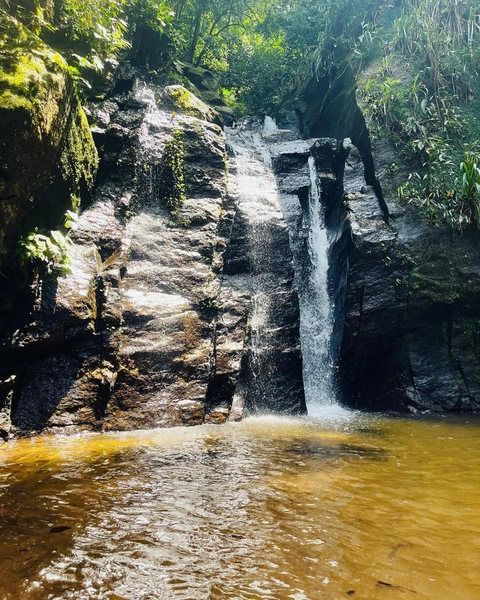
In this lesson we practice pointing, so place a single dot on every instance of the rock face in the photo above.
(48, 159)
(328, 107)
(155, 324)
(258, 274)
(406, 315)
(410, 338)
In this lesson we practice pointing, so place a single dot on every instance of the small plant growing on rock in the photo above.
(172, 178)
(50, 251)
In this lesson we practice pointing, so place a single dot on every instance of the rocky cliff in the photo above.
(181, 306)
(408, 327)
(410, 338)
(156, 324)
(48, 160)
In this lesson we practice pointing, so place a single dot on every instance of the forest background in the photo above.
(415, 64)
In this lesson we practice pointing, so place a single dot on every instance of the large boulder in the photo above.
(181, 100)
(48, 159)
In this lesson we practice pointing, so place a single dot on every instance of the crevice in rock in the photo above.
(221, 386)
(16, 393)
(360, 316)
(100, 300)
(40, 349)
(450, 333)
(416, 393)
(464, 378)
(331, 110)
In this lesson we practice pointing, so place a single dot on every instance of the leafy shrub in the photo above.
(471, 186)
(48, 252)
(457, 206)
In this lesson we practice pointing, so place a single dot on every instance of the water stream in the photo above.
(316, 314)
(358, 506)
(264, 240)
(253, 145)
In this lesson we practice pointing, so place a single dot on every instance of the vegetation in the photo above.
(172, 178)
(420, 95)
(48, 252)
(257, 49)
(422, 58)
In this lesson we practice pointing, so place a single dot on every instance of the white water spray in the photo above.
(316, 314)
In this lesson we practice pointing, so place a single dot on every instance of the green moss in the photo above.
(79, 157)
(47, 155)
(28, 68)
(183, 99)
(172, 177)
(187, 103)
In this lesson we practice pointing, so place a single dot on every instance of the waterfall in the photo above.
(262, 270)
(256, 145)
(316, 311)
(269, 125)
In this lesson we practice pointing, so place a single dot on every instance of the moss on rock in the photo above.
(183, 101)
(48, 159)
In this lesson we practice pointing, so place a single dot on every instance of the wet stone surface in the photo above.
(150, 329)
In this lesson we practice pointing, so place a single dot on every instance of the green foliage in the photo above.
(457, 205)
(470, 168)
(259, 73)
(348, 29)
(470, 176)
(183, 99)
(48, 252)
(260, 50)
(97, 24)
(419, 97)
(230, 97)
(172, 177)
(442, 37)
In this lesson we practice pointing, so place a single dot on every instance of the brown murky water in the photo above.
(357, 507)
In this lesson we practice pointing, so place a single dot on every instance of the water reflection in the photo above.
(277, 508)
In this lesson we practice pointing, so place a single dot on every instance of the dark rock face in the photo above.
(404, 292)
(258, 303)
(153, 326)
(329, 108)
(43, 132)
(411, 318)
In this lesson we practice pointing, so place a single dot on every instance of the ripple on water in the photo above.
(359, 506)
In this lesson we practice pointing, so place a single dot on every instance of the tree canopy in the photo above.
(422, 57)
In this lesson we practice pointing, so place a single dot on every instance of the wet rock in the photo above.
(409, 340)
(60, 529)
(258, 361)
(218, 415)
(152, 327)
(124, 79)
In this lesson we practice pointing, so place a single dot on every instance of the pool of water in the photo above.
(334, 506)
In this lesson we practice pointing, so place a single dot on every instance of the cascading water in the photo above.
(310, 260)
(316, 314)
(261, 215)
